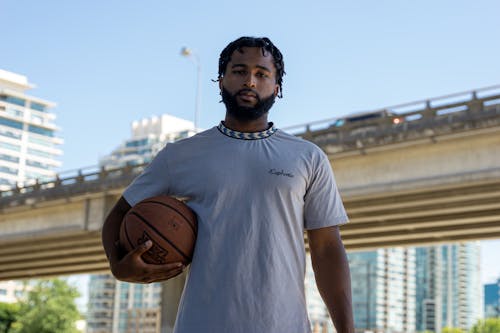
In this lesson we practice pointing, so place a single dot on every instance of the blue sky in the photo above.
(107, 63)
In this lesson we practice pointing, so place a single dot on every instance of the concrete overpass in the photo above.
(428, 174)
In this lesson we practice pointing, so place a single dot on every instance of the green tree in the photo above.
(452, 330)
(8, 316)
(489, 325)
(49, 308)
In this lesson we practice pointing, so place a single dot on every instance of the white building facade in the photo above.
(120, 307)
(29, 147)
(11, 291)
(148, 137)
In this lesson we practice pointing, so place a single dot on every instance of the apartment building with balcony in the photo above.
(29, 147)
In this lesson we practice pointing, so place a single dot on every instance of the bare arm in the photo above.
(130, 267)
(333, 279)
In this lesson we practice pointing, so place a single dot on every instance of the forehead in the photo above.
(252, 57)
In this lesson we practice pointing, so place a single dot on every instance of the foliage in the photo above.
(8, 315)
(489, 325)
(49, 308)
(452, 330)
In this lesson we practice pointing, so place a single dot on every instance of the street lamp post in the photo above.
(187, 52)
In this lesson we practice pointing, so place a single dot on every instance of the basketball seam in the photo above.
(159, 233)
(128, 237)
(177, 211)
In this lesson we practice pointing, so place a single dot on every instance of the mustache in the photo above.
(248, 90)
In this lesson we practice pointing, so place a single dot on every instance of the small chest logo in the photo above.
(281, 172)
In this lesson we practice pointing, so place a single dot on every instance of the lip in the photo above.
(247, 95)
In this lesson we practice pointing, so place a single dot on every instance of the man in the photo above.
(255, 189)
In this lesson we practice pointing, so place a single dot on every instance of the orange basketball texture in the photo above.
(169, 223)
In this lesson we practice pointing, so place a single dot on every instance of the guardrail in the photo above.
(430, 117)
(81, 181)
(426, 108)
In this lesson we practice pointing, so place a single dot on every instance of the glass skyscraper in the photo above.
(492, 299)
(383, 290)
(28, 144)
(449, 290)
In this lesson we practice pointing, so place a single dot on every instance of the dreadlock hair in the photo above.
(266, 46)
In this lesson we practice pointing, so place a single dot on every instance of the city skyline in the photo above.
(108, 64)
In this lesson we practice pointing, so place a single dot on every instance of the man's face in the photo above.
(249, 85)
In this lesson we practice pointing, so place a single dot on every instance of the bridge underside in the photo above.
(432, 215)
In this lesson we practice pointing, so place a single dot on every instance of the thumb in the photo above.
(144, 247)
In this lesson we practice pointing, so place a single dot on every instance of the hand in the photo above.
(132, 268)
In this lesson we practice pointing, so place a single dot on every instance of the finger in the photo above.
(150, 278)
(168, 276)
(163, 267)
(144, 247)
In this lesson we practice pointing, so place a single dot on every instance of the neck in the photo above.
(248, 126)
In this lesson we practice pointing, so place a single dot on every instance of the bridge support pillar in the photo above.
(170, 297)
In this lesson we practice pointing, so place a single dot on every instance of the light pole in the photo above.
(187, 52)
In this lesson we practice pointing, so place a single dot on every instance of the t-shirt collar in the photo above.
(247, 135)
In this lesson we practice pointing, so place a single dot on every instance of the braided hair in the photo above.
(266, 46)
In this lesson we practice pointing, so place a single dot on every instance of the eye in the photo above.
(262, 75)
(239, 72)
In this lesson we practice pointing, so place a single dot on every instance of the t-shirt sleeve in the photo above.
(151, 182)
(323, 205)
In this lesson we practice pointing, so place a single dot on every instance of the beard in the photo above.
(245, 113)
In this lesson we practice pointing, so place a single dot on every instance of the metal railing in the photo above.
(434, 106)
(426, 118)
(87, 180)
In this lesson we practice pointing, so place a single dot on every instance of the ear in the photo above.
(276, 90)
(220, 82)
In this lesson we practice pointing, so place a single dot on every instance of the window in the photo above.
(9, 134)
(8, 170)
(9, 158)
(38, 106)
(41, 141)
(40, 153)
(37, 164)
(3, 292)
(10, 146)
(137, 143)
(13, 100)
(14, 112)
(11, 123)
(40, 130)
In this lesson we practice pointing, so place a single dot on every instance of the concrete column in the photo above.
(170, 297)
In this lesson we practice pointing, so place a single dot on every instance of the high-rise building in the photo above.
(383, 290)
(149, 136)
(28, 144)
(120, 307)
(449, 290)
(492, 300)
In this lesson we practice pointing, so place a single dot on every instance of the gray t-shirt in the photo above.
(254, 196)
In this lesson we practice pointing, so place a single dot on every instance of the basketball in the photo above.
(169, 223)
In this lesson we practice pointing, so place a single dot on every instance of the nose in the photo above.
(249, 81)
